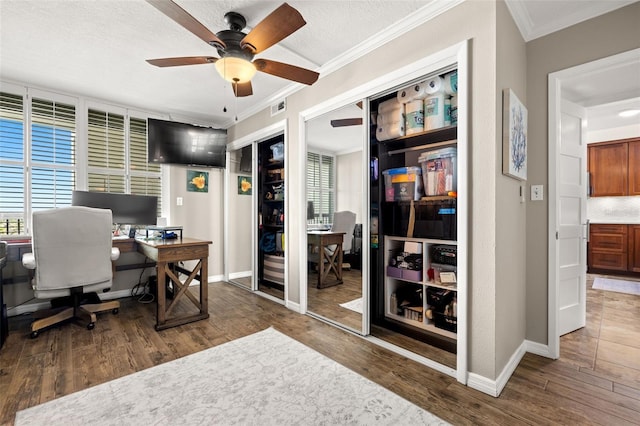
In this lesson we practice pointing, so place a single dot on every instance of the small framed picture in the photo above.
(197, 181)
(244, 185)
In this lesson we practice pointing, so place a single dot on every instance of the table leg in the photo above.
(161, 293)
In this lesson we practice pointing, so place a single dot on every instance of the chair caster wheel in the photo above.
(91, 326)
(115, 311)
(34, 334)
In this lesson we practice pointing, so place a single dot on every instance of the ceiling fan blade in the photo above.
(343, 122)
(183, 60)
(242, 89)
(290, 72)
(278, 25)
(185, 19)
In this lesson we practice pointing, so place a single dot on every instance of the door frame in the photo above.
(555, 98)
(253, 138)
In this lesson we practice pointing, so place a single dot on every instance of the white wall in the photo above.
(349, 183)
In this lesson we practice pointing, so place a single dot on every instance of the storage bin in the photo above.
(403, 184)
(432, 219)
(439, 171)
(277, 151)
(445, 322)
(274, 268)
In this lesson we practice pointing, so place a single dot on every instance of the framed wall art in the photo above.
(514, 136)
(197, 181)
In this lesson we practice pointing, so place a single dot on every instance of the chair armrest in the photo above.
(29, 261)
(115, 253)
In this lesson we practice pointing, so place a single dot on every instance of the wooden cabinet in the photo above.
(634, 248)
(608, 247)
(614, 168)
(634, 167)
(614, 248)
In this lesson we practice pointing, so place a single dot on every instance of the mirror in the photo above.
(240, 192)
(335, 214)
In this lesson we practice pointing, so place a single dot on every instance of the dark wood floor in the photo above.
(574, 390)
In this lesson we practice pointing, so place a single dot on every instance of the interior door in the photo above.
(571, 187)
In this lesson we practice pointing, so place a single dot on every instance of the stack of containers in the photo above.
(438, 103)
(438, 171)
(413, 99)
(390, 121)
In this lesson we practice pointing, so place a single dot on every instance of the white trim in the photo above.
(509, 368)
(242, 274)
(537, 349)
(412, 356)
(279, 127)
(482, 384)
(456, 54)
(555, 80)
(293, 306)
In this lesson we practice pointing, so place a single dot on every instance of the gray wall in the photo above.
(470, 20)
(511, 214)
(598, 38)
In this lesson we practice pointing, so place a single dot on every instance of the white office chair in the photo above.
(72, 258)
(344, 221)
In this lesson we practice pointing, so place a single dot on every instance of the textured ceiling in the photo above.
(98, 48)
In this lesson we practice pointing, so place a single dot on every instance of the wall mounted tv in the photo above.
(171, 142)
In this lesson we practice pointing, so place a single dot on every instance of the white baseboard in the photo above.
(293, 306)
(495, 387)
(243, 274)
(538, 349)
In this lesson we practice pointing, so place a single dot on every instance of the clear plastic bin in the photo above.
(402, 184)
(277, 151)
(439, 171)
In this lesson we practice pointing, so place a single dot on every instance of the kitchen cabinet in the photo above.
(614, 248)
(634, 248)
(614, 168)
(608, 247)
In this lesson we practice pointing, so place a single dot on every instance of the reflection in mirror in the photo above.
(240, 194)
(335, 215)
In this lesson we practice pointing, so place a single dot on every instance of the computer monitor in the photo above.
(127, 209)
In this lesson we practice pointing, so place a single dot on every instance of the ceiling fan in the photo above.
(345, 122)
(237, 49)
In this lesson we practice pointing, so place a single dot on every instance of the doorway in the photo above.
(565, 86)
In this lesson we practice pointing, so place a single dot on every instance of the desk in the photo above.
(166, 254)
(327, 262)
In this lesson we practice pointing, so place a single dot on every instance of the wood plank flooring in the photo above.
(590, 384)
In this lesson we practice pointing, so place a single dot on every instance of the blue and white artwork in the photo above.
(514, 161)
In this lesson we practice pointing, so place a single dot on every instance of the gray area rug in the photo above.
(620, 286)
(353, 305)
(266, 378)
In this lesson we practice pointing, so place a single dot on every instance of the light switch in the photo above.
(537, 192)
(179, 201)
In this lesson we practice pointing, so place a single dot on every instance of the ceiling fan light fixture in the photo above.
(236, 70)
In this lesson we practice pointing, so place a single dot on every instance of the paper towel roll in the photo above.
(391, 116)
(411, 93)
(434, 85)
(414, 117)
(434, 111)
(451, 83)
(390, 131)
(389, 105)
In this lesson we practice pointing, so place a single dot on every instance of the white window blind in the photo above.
(53, 159)
(106, 152)
(12, 164)
(320, 186)
(145, 177)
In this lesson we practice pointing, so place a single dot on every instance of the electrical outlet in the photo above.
(537, 192)
(179, 201)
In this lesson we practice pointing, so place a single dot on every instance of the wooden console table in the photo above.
(167, 254)
(327, 261)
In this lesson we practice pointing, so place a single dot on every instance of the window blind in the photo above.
(53, 158)
(106, 151)
(12, 164)
(320, 186)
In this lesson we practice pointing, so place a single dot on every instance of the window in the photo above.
(39, 175)
(40, 161)
(320, 187)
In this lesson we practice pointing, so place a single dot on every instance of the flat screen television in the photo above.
(127, 209)
(172, 142)
(245, 160)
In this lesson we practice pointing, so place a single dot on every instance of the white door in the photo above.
(571, 188)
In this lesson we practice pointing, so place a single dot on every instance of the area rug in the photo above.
(354, 305)
(620, 286)
(266, 378)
